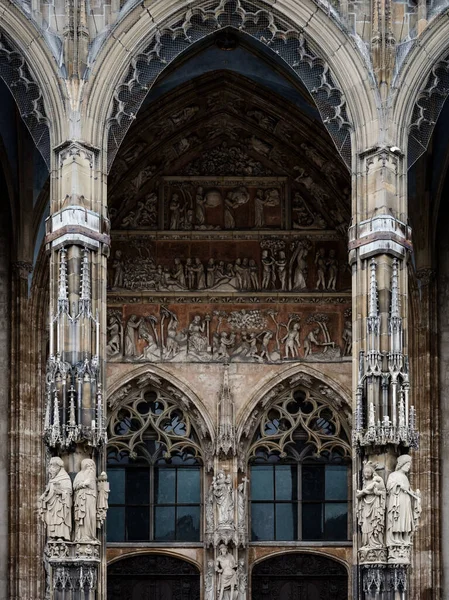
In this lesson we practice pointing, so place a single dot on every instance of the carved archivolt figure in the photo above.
(85, 502)
(404, 505)
(222, 490)
(55, 504)
(227, 574)
(209, 581)
(371, 501)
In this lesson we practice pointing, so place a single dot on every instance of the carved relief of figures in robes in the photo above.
(371, 501)
(222, 490)
(227, 574)
(209, 592)
(85, 502)
(55, 504)
(403, 506)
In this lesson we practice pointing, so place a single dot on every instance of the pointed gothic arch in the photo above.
(328, 65)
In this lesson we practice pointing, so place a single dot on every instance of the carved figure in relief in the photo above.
(281, 270)
(311, 339)
(175, 212)
(200, 208)
(198, 341)
(209, 508)
(152, 349)
(178, 273)
(227, 574)
(347, 338)
(55, 504)
(130, 335)
(241, 504)
(266, 339)
(224, 342)
(113, 346)
(198, 269)
(85, 502)
(371, 501)
(229, 214)
(209, 581)
(267, 269)
(223, 496)
(190, 274)
(332, 266)
(210, 273)
(254, 274)
(403, 505)
(291, 339)
(298, 266)
(320, 261)
(118, 270)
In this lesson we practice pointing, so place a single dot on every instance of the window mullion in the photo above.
(299, 500)
(152, 501)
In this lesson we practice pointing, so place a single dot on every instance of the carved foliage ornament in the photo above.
(252, 18)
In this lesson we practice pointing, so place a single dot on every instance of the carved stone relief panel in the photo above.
(226, 333)
(193, 263)
(207, 204)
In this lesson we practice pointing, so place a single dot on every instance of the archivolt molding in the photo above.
(175, 553)
(327, 552)
(420, 89)
(335, 75)
(30, 73)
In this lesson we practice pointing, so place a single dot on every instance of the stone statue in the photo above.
(347, 338)
(371, 501)
(113, 346)
(320, 261)
(227, 574)
(403, 506)
(55, 504)
(332, 266)
(209, 508)
(118, 269)
(175, 213)
(243, 579)
(85, 502)
(222, 490)
(102, 498)
(130, 335)
(291, 339)
(209, 581)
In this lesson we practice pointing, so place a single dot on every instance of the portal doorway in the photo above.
(153, 577)
(298, 576)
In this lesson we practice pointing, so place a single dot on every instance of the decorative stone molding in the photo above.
(252, 18)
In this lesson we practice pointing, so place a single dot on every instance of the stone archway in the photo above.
(153, 576)
(299, 576)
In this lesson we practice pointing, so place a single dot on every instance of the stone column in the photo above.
(386, 508)
(74, 502)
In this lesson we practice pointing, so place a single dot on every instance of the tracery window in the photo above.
(299, 471)
(154, 467)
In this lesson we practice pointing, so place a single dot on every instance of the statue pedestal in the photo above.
(72, 569)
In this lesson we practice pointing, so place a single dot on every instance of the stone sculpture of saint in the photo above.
(102, 498)
(209, 581)
(85, 502)
(227, 573)
(222, 490)
(403, 505)
(371, 501)
(55, 504)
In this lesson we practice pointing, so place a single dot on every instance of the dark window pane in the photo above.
(116, 479)
(312, 521)
(286, 482)
(164, 523)
(188, 486)
(262, 483)
(262, 522)
(165, 481)
(137, 486)
(116, 524)
(336, 527)
(137, 523)
(312, 482)
(336, 482)
(286, 522)
(188, 524)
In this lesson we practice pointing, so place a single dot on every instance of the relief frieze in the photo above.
(225, 333)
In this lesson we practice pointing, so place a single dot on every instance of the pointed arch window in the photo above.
(299, 471)
(154, 466)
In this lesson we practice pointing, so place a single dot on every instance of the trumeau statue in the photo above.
(225, 566)
(85, 502)
(371, 501)
(403, 511)
(55, 504)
